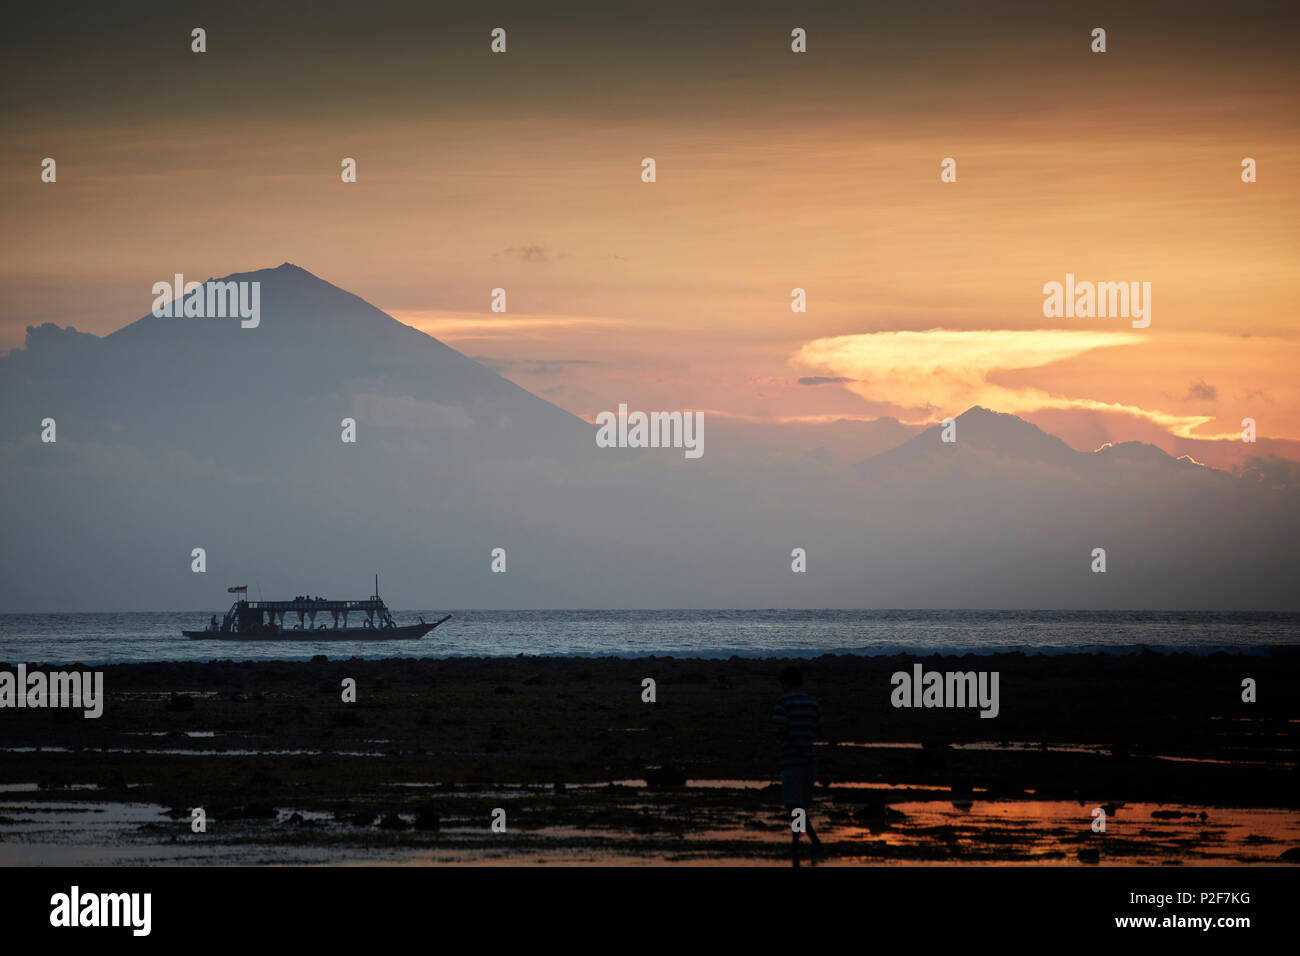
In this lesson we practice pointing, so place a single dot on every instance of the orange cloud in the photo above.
(451, 326)
(939, 372)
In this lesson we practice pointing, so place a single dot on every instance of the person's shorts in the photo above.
(797, 786)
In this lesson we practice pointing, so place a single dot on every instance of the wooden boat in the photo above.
(265, 621)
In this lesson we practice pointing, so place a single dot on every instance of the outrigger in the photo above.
(264, 620)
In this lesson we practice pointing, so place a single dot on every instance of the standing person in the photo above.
(798, 718)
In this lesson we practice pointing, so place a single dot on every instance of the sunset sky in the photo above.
(775, 170)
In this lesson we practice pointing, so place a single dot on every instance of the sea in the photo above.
(137, 636)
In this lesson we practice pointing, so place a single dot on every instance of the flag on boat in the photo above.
(242, 587)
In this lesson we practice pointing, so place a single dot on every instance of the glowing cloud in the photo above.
(452, 326)
(940, 372)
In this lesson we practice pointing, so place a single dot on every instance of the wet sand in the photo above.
(587, 772)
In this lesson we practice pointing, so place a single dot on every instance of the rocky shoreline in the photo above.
(569, 748)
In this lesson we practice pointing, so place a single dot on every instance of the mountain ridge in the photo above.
(197, 433)
(1013, 438)
(978, 427)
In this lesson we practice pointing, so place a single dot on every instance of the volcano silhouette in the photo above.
(182, 433)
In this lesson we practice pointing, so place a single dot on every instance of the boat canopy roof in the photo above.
(313, 604)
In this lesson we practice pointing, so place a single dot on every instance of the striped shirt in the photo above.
(799, 720)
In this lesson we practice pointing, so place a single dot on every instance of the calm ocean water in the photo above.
(155, 636)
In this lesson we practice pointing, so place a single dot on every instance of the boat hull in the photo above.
(409, 632)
